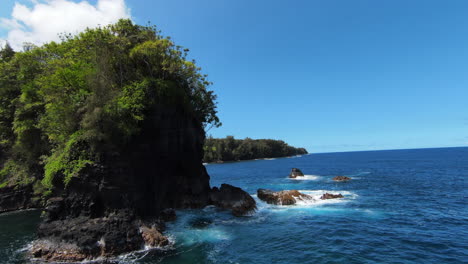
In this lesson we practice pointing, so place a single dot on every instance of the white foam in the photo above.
(314, 201)
(307, 178)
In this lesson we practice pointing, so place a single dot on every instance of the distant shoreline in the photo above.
(273, 158)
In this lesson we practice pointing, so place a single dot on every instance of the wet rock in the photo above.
(152, 237)
(282, 197)
(107, 236)
(295, 172)
(341, 178)
(57, 252)
(233, 198)
(326, 196)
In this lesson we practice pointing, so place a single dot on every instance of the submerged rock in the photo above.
(341, 178)
(295, 172)
(282, 197)
(326, 196)
(233, 198)
(200, 223)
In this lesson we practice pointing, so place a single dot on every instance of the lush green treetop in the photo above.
(64, 104)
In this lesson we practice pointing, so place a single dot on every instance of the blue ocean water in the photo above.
(401, 206)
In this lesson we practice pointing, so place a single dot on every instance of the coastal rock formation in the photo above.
(341, 178)
(100, 212)
(153, 237)
(295, 172)
(326, 196)
(50, 252)
(14, 198)
(282, 197)
(233, 198)
(111, 151)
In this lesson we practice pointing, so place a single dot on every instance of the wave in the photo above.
(359, 174)
(307, 178)
(314, 201)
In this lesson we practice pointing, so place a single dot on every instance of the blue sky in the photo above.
(326, 75)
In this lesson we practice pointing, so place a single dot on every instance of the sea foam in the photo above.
(307, 178)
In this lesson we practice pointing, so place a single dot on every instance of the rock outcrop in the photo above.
(153, 237)
(233, 198)
(117, 206)
(326, 196)
(18, 197)
(282, 197)
(341, 178)
(295, 172)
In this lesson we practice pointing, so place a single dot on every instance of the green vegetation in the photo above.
(63, 105)
(231, 149)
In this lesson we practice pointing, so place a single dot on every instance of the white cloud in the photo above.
(45, 19)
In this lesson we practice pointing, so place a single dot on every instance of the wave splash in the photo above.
(310, 177)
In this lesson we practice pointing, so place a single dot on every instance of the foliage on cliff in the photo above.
(64, 105)
(231, 149)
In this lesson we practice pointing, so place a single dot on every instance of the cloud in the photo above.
(46, 19)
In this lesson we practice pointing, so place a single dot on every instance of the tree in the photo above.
(6, 53)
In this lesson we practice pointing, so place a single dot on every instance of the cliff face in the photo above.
(102, 212)
(17, 198)
(161, 168)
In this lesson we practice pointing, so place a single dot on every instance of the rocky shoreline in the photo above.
(80, 224)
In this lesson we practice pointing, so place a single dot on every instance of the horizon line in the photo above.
(420, 148)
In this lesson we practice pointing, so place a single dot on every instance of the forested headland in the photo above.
(65, 106)
(231, 149)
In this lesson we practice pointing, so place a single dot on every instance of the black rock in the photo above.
(233, 198)
(295, 172)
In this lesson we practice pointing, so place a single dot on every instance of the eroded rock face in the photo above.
(331, 196)
(233, 198)
(14, 198)
(295, 172)
(341, 178)
(282, 197)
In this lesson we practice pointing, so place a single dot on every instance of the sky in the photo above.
(329, 75)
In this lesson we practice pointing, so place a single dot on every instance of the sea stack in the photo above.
(295, 172)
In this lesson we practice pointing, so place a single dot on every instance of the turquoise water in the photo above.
(402, 206)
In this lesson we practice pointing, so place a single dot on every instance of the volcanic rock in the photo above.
(326, 196)
(282, 197)
(341, 178)
(233, 198)
(152, 237)
(295, 173)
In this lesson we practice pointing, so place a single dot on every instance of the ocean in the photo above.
(401, 206)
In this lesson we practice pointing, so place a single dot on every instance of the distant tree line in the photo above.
(231, 149)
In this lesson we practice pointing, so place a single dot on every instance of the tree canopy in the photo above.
(64, 104)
